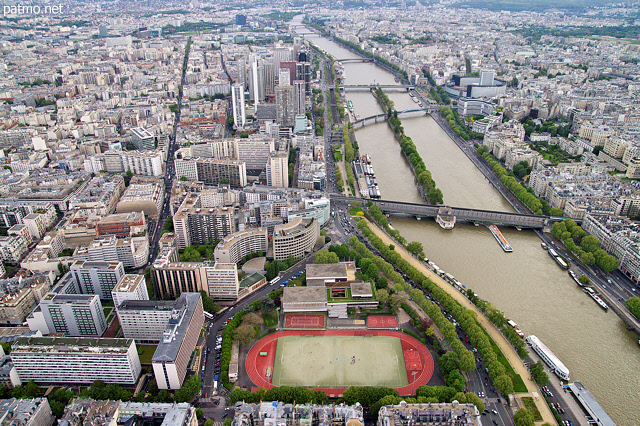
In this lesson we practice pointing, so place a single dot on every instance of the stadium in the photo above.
(334, 360)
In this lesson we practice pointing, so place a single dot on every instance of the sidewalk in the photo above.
(500, 340)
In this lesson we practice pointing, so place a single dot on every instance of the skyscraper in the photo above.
(237, 102)
(299, 97)
(285, 106)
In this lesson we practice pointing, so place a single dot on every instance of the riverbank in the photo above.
(506, 348)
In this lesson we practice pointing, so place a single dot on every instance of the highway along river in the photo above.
(526, 284)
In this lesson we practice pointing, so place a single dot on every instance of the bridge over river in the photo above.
(382, 117)
(482, 217)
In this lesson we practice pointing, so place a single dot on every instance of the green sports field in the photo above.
(339, 362)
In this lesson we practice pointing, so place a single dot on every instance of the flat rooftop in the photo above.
(304, 294)
(250, 280)
(128, 283)
(70, 342)
(168, 351)
(327, 271)
(590, 404)
(361, 289)
(147, 305)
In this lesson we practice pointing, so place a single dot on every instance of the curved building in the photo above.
(295, 238)
(239, 244)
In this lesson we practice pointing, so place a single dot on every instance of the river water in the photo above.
(526, 284)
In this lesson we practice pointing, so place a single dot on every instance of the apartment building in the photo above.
(145, 196)
(97, 277)
(75, 360)
(221, 280)
(122, 225)
(179, 339)
(132, 252)
(26, 412)
(145, 320)
(236, 246)
(194, 224)
(77, 315)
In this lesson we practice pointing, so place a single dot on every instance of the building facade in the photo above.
(179, 339)
(68, 360)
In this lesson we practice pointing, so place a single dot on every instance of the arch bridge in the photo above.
(413, 111)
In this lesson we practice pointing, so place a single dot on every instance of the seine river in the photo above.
(526, 284)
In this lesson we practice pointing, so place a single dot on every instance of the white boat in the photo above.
(548, 357)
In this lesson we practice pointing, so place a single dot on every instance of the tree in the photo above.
(209, 422)
(382, 295)
(129, 173)
(590, 243)
(199, 413)
(584, 279)
(524, 417)
(504, 384)
(633, 305)
(416, 248)
(538, 374)
(183, 178)
(244, 334)
(556, 212)
(190, 388)
(325, 256)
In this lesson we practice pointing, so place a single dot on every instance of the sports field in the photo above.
(339, 361)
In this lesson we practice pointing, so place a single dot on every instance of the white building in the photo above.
(77, 315)
(221, 279)
(130, 287)
(237, 102)
(72, 360)
(179, 339)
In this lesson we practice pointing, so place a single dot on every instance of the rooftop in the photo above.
(176, 330)
(304, 294)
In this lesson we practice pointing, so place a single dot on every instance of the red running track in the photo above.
(257, 366)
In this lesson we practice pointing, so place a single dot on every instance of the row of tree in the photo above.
(456, 124)
(467, 320)
(227, 343)
(524, 194)
(433, 194)
(285, 394)
(497, 317)
(583, 245)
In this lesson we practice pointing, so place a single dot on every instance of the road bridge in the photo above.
(481, 217)
(362, 87)
(414, 111)
(352, 60)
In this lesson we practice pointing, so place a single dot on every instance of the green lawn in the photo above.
(107, 311)
(530, 405)
(147, 353)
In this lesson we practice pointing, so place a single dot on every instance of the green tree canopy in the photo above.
(524, 417)
(325, 256)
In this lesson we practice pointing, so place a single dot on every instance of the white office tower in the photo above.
(284, 77)
(237, 103)
(256, 85)
(278, 170)
(486, 77)
(299, 96)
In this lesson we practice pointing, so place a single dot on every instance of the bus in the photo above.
(275, 280)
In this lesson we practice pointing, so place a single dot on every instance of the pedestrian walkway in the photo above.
(497, 337)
